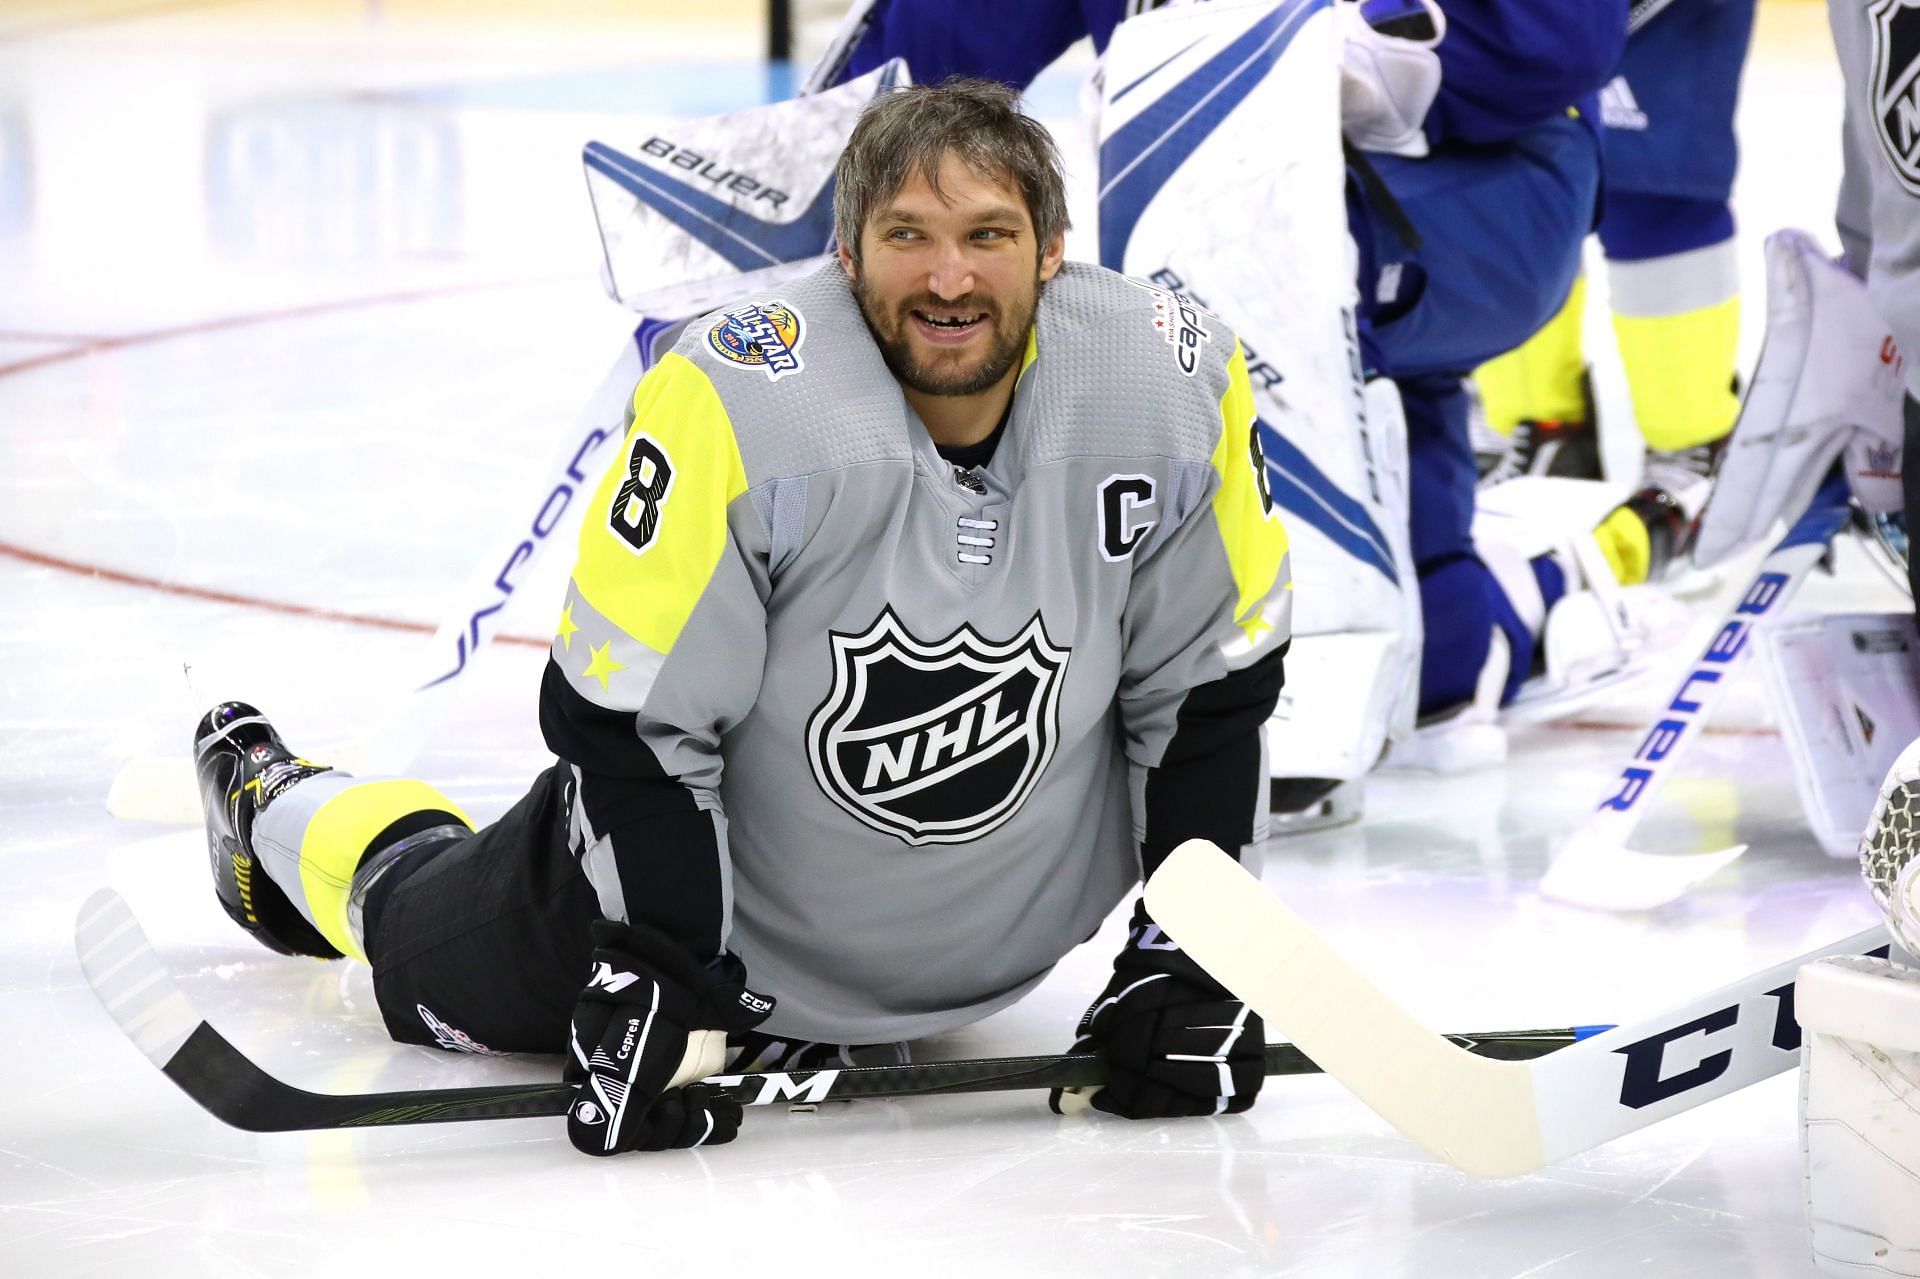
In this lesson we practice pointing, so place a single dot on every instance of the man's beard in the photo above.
(942, 375)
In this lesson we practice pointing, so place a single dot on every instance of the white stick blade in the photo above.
(1593, 870)
(1475, 1114)
(155, 788)
(129, 979)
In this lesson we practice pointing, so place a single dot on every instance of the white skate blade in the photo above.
(1593, 871)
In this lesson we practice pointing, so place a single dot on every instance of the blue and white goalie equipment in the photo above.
(1221, 183)
(1828, 385)
(1845, 690)
(1860, 1114)
(694, 212)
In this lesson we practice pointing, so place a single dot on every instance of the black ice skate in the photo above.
(1681, 479)
(243, 766)
(1566, 449)
(1569, 449)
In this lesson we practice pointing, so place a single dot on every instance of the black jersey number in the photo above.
(636, 506)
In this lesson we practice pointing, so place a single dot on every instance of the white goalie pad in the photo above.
(1860, 1114)
(1221, 179)
(1828, 382)
(693, 213)
(1845, 689)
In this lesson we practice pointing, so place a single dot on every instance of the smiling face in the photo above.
(948, 278)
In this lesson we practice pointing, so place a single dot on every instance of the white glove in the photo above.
(1387, 83)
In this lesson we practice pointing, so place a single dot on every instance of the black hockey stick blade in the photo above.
(137, 991)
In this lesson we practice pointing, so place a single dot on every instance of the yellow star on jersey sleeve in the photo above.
(603, 664)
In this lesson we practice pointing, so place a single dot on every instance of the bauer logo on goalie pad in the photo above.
(1895, 86)
(704, 167)
(936, 743)
(763, 337)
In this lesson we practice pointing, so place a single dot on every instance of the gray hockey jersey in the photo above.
(894, 733)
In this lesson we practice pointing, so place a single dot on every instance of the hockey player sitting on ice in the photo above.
(926, 604)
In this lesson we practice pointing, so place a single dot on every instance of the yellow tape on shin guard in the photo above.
(1680, 370)
(337, 838)
(1539, 380)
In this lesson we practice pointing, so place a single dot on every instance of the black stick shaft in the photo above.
(235, 1090)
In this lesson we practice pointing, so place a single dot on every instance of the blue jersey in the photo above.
(1507, 65)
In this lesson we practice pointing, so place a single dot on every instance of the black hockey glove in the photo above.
(651, 1021)
(1175, 1041)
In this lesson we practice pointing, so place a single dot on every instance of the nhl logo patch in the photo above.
(936, 743)
(766, 337)
(1892, 88)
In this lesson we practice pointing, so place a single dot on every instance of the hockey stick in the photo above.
(136, 989)
(162, 789)
(1488, 1118)
(1595, 867)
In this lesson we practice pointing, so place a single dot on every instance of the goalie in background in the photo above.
(1833, 387)
(835, 713)
(1860, 1082)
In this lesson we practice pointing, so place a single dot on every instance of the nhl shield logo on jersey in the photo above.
(936, 743)
(1896, 96)
(765, 337)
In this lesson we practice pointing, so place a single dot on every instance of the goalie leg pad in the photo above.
(1860, 1114)
(1828, 371)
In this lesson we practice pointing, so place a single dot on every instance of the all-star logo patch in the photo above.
(936, 743)
(766, 337)
(1892, 86)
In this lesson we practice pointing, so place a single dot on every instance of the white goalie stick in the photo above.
(1595, 867)
(133, 985)
(162, 788)
(1488, 1118)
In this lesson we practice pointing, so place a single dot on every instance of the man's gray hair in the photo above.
(910, 130)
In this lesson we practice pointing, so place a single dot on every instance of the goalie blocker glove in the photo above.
(650, 1022)
(1175, 1041)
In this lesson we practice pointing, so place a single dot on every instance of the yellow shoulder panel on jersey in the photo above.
(658, 522)
(1243, 508)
